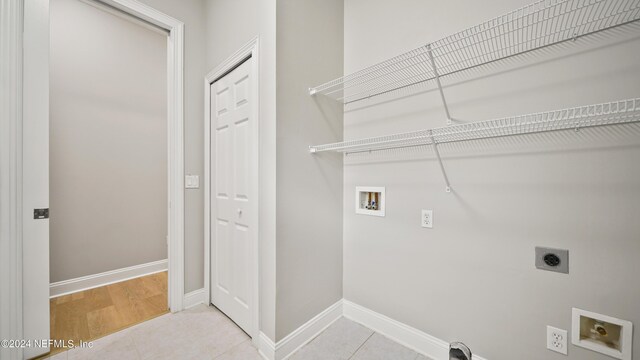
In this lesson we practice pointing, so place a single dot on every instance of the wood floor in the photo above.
(94, 313)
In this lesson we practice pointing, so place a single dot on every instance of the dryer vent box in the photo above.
(601, 333)
(370, 200)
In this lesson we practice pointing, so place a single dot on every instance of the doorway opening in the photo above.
(108, 171)
(32, 143)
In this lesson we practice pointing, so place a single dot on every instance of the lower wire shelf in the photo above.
(611, 113)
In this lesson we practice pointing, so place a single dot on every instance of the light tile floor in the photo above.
(345, 339)
(199, 333)
(204, 333)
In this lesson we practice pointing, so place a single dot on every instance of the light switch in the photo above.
(192, 181)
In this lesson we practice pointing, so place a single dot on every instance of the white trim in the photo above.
(291, 343)
(251, 48)
(70, 286)
(266, 347)
(11, 25)
(145, 12)
(128, 17)
(401, 333)
(175, 112)
(196, 297)
(308, 331)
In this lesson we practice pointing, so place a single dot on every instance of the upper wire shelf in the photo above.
(534, 26)
(612, 113)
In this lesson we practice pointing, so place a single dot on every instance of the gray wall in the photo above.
(230, 25)
(304, 208)
(191, 13)
(309, 188)
(472, 276)
(108, 142)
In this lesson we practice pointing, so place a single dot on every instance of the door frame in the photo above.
(34, 22)
(11, 63)
(175, 112)
(248, 52)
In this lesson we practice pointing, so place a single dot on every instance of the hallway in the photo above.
(95, 313)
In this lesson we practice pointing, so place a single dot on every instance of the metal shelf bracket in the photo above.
(437, 78)
(437, 152)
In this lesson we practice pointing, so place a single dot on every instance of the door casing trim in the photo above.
(11, 40)
(175, 115)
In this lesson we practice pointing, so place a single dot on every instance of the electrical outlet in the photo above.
(552, 259)
(427, 218)
(191, 181)
(557, 340)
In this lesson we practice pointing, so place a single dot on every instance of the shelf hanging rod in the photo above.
(444, 99)
(437, 152)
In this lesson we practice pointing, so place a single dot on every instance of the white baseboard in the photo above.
(308, 331)
(109, 277)
(300, 336)
(266, 347)
(194, 298)
(412, 338)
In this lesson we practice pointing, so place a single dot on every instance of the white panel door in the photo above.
(231, 198)
(35, 176)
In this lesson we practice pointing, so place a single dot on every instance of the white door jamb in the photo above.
(11, 37)
(175, 107)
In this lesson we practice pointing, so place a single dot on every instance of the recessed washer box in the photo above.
(370, 200)
(601, 333)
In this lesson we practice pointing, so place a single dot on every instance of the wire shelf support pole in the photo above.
(437, 152)
(437, 78)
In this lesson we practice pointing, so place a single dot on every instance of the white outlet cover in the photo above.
(427, 218)
(191, 181)
(557, 340)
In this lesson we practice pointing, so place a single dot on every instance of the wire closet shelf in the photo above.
(532, 27)
(612, 113)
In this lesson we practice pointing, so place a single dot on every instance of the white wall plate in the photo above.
(370, 200)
